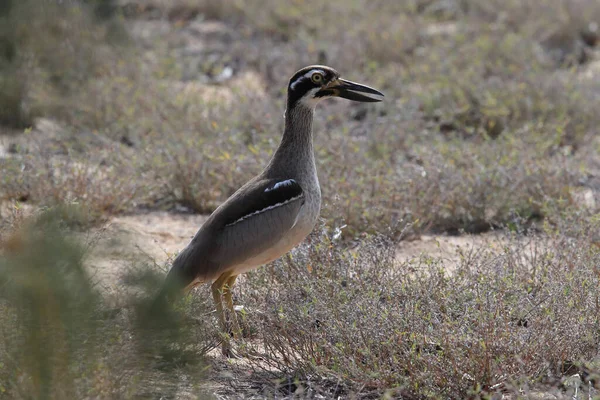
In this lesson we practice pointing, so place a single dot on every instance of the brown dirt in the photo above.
(152, 238)
(157, 236)
(448, 249)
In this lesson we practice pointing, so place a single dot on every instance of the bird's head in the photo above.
(316, 82)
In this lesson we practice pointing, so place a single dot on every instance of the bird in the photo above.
(271, 213)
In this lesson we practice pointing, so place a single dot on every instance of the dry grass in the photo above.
(479, 125)
(489, 122)
(355, 322)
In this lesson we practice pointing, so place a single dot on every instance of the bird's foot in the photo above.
(238, 349)
(234, 329)
(229, 352)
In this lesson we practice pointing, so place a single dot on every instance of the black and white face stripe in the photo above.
(306, 77)
(303, 87)
(316, 82)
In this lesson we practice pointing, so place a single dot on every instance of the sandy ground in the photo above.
(152, 238)
(156, 237)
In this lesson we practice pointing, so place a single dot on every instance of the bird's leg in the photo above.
(191, 286)
(217, 289)
(227, 289)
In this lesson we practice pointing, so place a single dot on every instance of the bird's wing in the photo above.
(248, 223)
(256, 218)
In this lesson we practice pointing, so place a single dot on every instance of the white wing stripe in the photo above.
(265, 209)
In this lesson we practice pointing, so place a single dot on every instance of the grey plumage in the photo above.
(273, 212)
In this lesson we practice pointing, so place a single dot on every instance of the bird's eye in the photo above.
(317, 77)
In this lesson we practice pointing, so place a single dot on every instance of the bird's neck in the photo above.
(295, 153)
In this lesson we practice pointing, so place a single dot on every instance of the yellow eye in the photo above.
(317, 77)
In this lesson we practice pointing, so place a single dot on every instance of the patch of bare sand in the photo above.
(449, 249)
(127, 241)
(155, 237)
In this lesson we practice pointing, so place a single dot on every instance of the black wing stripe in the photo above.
(275, 195)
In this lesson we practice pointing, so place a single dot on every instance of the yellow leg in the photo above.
(192, 285)
(217, 290)
(227, 289)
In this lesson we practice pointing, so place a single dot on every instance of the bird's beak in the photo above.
(351, 91)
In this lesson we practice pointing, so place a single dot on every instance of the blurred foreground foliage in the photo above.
(48, 50)
(60, 338)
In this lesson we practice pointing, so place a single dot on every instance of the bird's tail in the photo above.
(169, 292)
(159, 321)
(176, 283)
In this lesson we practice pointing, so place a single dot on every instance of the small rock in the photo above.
(214, 30)
(564, 48)
(360, 113)
(126, 140)
(13, 148)
(225, 74)
(591, 34)
(441, 29)
(584, 197)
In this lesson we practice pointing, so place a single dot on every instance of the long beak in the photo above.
(351, 91)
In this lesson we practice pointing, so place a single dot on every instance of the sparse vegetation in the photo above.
(518, 320)
(490, 123)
